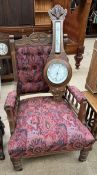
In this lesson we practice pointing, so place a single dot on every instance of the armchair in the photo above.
(39, 125)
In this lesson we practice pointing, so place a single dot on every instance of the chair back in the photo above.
(29, 56)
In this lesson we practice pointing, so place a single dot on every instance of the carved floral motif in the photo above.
(57, 13)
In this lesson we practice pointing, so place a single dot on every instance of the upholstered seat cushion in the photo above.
(45, 126)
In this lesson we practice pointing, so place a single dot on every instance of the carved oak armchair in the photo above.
(39, 125)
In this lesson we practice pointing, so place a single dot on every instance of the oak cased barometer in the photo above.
(57, 71)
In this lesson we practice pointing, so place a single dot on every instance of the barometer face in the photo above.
(57, 37)
(57, 73)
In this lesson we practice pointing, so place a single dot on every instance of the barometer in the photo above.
(57, 71)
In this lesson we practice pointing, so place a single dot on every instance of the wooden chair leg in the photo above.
(17, 164)
(2, 156)
(83, 155)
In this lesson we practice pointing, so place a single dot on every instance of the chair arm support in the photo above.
(11, 119)
(82, 111)
(78, 95)
(78, 102)
(10, 100)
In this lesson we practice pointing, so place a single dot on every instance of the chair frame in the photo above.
(79, 107)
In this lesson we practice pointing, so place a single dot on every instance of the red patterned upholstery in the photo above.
(46, 126)
(30, 63)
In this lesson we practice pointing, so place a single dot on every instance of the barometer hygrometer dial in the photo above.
(3, 49)
(57, 72)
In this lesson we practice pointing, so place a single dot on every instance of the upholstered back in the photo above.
(30, 62)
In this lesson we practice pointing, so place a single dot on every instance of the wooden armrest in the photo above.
(10, 100)
(10, 108)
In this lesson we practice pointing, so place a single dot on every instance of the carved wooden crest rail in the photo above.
(39, 38)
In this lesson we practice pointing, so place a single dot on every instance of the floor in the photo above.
(64, 164)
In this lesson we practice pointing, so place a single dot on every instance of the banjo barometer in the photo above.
(57, 71)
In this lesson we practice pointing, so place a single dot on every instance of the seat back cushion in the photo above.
(30, 62)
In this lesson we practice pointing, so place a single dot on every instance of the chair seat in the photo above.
(45, 126)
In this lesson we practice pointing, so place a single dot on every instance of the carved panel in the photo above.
(34, 39)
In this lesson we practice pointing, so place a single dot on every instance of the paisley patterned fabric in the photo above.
(30, 63)
(46, 126)
(77, 93)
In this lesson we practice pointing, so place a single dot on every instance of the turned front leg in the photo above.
(17, 164)
(83, 155)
